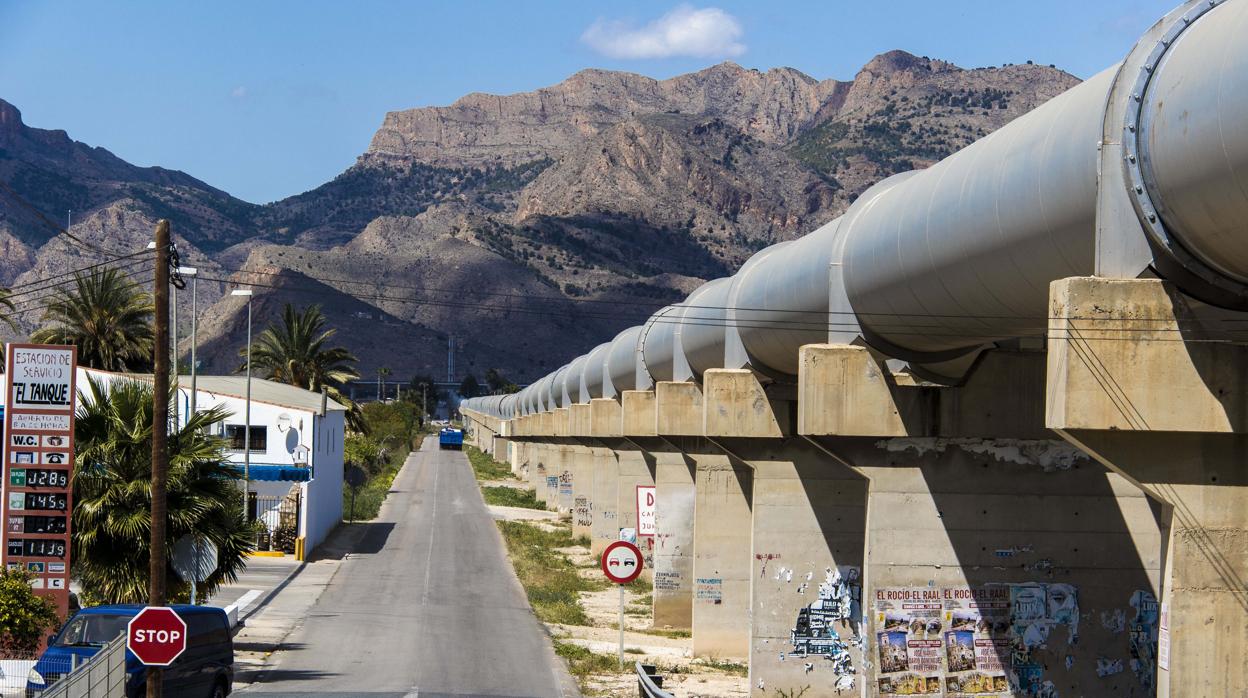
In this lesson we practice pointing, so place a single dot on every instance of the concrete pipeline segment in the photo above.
(983, 434)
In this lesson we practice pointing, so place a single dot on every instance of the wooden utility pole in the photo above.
(160, 427)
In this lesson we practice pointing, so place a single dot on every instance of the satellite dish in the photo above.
(283, 422)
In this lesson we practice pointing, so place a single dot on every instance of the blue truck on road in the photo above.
(450, 437)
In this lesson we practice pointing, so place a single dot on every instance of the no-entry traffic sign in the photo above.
(621, 562)
(156, 636)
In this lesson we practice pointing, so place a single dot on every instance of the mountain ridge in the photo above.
(505, 213)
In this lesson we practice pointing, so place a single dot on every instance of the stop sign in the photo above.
(156, 636)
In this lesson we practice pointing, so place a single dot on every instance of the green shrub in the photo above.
(25, 618)
(549, 579)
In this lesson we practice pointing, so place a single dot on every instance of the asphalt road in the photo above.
(427, 606)
(261, 577)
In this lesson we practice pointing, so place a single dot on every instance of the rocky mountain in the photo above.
(558, 216)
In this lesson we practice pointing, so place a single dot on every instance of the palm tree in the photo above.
(295, 353)
(6, 304)
(112, 494)
(107, 316)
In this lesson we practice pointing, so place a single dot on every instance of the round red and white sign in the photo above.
(156, 636)
(621, 562)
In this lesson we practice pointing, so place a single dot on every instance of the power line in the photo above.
(56, 228)
(908, 318)
(771, 325)
(29, 304)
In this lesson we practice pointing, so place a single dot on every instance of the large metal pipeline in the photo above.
(927, 266)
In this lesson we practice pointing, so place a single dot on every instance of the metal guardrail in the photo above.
(101, 676)
(649, 683)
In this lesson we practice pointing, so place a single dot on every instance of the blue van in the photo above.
(205, 669)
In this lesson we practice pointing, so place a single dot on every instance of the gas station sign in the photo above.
(37, 499)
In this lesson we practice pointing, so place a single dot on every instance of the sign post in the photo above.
(194, 559)
(156, 636)
(621, 562)
(35, 492)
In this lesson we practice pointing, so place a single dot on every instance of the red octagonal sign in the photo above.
(156, 636)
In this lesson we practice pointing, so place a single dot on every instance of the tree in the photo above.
(469, 387)
(422, 384)
(107, 316)
(498, 383)
(362, 451)
(6, 304)
(112, 495)
(381, 376)
(295, 352)
(25, 618)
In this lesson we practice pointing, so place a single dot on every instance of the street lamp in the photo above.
(194, 274)
(247, 426)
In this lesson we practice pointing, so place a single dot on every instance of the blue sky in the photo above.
(268, 99)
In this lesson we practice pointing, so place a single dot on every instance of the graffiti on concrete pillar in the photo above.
(565, 483)
(667, 581)
(583, 512)
(552, 482)
(815, 631)
(1142, 638)
(709, 590)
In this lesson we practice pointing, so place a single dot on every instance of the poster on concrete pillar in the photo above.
(909, 627)
(977, 640)
(646, 511)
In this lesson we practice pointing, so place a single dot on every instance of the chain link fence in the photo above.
(100, 676)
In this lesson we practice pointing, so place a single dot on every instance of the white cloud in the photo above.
(238, 92)
(685, 31)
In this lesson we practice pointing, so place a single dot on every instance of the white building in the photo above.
(297, 438)
(296, 447)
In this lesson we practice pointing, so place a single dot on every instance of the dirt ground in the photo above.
(684, 676)
(671, 651)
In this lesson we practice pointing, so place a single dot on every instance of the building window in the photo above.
(235, 435)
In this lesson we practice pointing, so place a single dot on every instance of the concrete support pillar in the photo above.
(634, 494)
(539, 454)
(723, 495)
(1144, 384)
(599, 511)
(577, 480)
(519, 458)
(808, 531)
(673, 541)
(501, 449)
